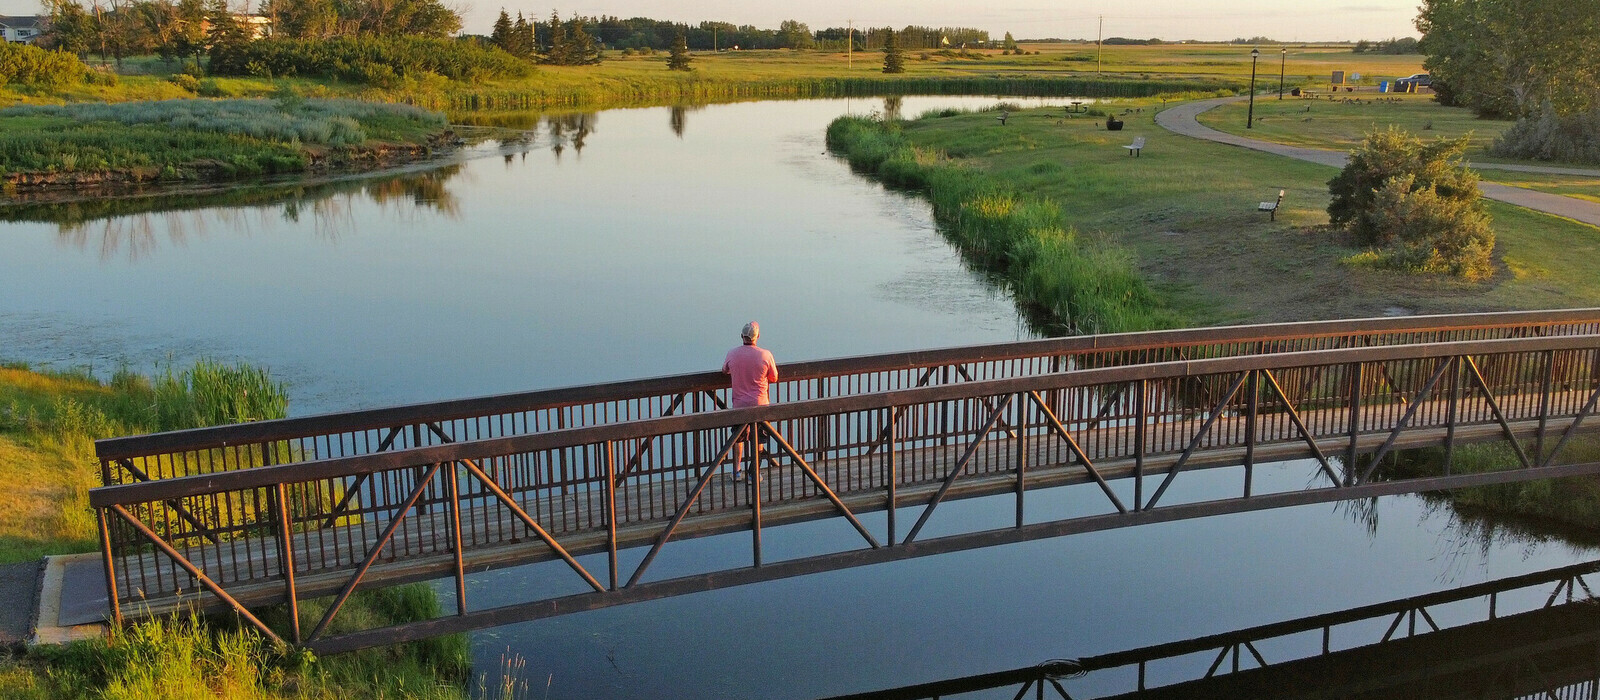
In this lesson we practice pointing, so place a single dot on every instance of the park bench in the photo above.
(1272, 206)
(1135, 147)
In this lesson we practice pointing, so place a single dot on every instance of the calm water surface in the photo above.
(633, 243)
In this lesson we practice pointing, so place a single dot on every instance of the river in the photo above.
(636, 242)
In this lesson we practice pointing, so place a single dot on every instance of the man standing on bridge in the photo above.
(750, 370)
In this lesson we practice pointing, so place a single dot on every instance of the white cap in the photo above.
(751, 331)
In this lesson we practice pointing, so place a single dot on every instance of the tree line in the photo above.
(189, 28)
(646, 33)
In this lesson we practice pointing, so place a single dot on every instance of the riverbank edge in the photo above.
(31, 187)
(1065, 283)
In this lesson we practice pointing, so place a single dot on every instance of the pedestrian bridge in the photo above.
(248, 515)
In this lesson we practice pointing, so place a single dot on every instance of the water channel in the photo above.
(635, 242)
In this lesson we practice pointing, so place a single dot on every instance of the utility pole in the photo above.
(713, 38)
(1283, 60)
(849, 43)
(1099, 48)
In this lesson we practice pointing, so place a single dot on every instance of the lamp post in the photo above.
(1282, 61)
(1250, 120)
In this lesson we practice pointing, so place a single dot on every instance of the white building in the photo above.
(21, 30)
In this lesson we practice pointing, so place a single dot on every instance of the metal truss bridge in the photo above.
(283, 511)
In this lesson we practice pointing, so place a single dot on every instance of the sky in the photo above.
(1217, 20)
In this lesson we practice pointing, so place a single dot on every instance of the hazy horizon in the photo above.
(1169, 20)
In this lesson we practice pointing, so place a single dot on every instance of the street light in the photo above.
(1282, 61)
(1250, 121)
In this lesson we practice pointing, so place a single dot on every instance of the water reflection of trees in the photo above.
(134, 228)
(678, 117)
(570, 130)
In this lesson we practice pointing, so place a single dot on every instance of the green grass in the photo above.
(1067, 282)
(198, 657)
(194, 139)
(49, 421)
(1186, 213)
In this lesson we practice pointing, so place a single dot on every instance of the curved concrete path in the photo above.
(1182, 120)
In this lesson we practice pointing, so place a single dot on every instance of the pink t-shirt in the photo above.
(751, 369)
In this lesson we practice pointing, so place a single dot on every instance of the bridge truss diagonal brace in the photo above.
(511, 503)
(171, 502)
(961, 466)
(355, 487)
(1234, 649)
(1588, 409)
(767, 429)
(1205, 429)
(1499, 416)
(200, 576)
(1300, 425)
(688, 503)
(1405, 420)
(1077, 450)
(395, 522)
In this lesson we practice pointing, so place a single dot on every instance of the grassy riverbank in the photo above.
(1184, 212)
(92, 144)
(48, 423)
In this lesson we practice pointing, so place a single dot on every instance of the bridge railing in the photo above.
(225, 448)
(321, 527)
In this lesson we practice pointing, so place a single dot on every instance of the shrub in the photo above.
(1432, 233)
(186, 81)
(367, 58)
(21, 64)
(1416, 203)
(1573, 138)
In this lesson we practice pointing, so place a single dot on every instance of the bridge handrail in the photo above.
(262, 432)
(355, 465)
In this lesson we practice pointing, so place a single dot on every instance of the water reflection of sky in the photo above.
(589, 254)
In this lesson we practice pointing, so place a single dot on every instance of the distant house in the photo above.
(21, 30)
(256, 26)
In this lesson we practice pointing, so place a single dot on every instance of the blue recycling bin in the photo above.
(1383, 86)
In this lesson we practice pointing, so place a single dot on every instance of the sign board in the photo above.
(1355, 77)
(1338, 77)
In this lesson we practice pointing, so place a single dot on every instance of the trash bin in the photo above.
(1383, 86)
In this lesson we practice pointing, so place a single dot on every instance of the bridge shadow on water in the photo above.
(1535, 635)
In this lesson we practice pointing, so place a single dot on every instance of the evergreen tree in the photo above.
(583, 50)
(1009, 44)
(679, 58)
(558, 51)
(522, 38)
(894, 60)
(226, 35)
(501, 35)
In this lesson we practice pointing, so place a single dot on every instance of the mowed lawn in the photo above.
(1341, 125)
(1187, 210)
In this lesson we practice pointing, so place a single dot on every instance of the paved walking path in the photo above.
(1182, 120)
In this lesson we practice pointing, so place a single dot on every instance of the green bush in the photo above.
(1432, 233)
(1573, 138)
(1416, 203)
(368, 58)
(21, 64)
(186, 81)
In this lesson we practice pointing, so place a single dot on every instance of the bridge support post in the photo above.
(1021, 445)
(611, 509)
(1452, 414)
(1355, 423)
(1140, 411)
(892, 479)
(755, 492)
(1252, 408)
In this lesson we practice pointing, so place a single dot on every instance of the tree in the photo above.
(1416, 203)
(558, 51)
(1009, 44)
(1509, 58)
(501, 34)
(582, 49)
(679, 57)
(302, 19)
(522, 43)
(226, 35)
(71, 28)
(794, 35)
(894, 60)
